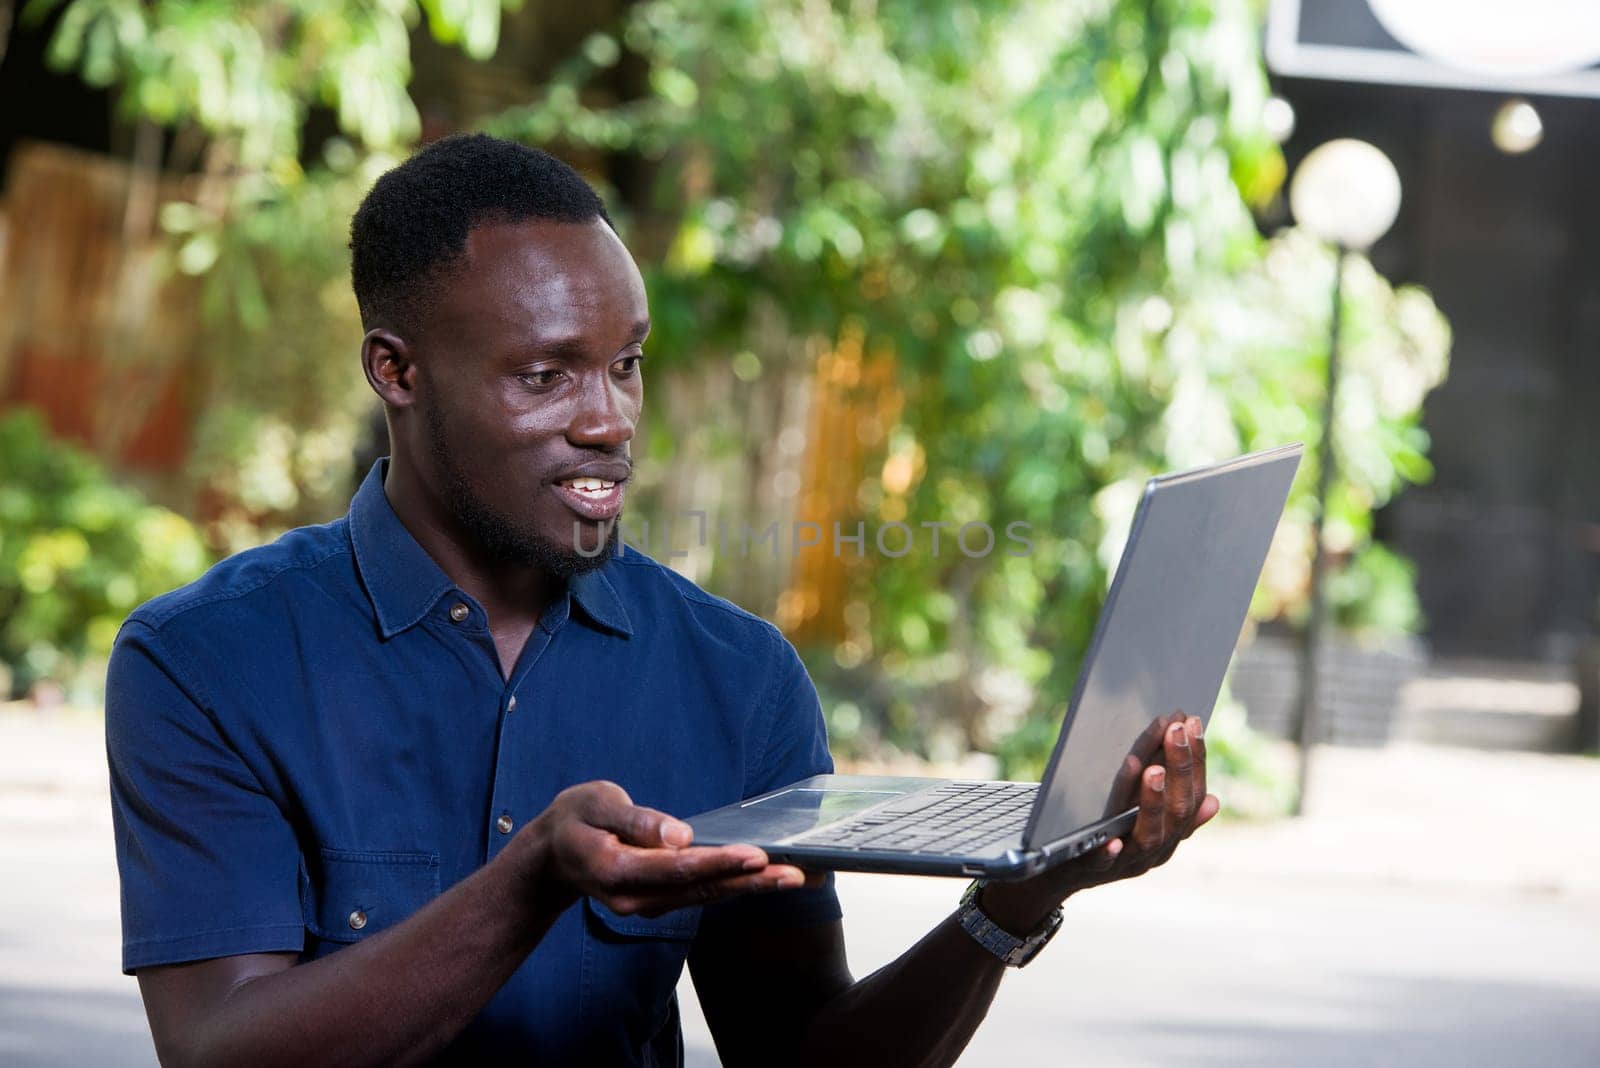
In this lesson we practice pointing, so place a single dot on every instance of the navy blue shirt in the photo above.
(315, 739)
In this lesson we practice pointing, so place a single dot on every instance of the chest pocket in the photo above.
(347, 895)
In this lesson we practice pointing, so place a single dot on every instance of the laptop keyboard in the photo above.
(959, 817)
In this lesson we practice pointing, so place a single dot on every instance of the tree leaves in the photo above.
(1042, 210)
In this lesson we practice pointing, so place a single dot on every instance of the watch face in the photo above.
(1036, 941)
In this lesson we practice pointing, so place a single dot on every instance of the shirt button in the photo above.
(459, 611)
(358, 920)
(504, 824)
(511, 705)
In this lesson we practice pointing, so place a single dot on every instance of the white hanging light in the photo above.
(1346, 192)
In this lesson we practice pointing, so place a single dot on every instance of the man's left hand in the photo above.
(1172, 803)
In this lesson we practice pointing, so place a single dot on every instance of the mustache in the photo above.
(613, 467)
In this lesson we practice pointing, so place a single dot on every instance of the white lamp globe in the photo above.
(1531, 38)
(1517, 128)
(1346, 192)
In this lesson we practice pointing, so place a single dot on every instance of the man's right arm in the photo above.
(400, 996)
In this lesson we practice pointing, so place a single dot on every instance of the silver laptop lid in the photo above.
(1166, 633)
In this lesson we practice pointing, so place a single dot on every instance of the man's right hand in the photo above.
(593, 840)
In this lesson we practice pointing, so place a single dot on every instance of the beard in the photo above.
(501, 537)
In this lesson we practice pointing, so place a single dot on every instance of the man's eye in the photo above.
(540, 378)
(629, 365)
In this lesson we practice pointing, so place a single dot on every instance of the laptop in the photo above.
(1161, 645)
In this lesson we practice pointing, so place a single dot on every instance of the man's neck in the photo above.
(514, 595)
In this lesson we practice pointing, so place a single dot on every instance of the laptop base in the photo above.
(780, 821)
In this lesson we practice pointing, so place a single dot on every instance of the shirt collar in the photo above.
(402, 580)
(404, 583)
(594, 593)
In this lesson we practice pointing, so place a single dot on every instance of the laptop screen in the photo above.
(1166, 634)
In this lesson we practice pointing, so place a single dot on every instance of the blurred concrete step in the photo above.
(1358, 686)
(1371, 695)
(1490, 705)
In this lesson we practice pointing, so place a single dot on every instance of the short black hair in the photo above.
(413, 224)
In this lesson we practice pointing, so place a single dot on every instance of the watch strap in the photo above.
(1012, 951)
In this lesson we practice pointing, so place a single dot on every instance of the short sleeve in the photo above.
(796, 747)
(209, 864)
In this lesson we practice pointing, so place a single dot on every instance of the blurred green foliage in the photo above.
(77, 553)
(1041, 211)
(281, 414)
(247, 72)
(286, 405)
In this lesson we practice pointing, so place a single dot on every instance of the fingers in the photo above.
(671, 877)
(1209, 807)
(1147, 747)
(1180, 798)
(1125, 785)
(1188, 762)
(1149, 827)
(608, 807)
(1206, 805)
(635, 859)
(623, 867)
(1172, 802)
(652, 901)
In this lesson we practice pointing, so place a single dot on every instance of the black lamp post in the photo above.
(1346, 193)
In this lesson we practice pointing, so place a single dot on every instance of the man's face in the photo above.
(529, 367)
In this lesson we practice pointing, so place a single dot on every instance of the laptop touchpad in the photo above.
(797, 811)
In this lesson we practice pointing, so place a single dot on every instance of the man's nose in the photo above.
(605, 415)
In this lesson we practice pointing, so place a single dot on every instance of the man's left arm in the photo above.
(776, 994)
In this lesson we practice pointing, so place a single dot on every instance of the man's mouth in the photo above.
(595, 499)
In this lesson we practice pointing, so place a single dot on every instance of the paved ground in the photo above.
(1438, 907)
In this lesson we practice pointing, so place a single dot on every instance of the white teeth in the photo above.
(591, 485)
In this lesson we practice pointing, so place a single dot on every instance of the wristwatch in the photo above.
(1014, 952)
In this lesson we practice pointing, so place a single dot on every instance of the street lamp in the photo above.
(1346, 193)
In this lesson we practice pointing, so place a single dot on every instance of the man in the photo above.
(393, 789)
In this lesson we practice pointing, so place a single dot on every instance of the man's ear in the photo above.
(390, 369)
